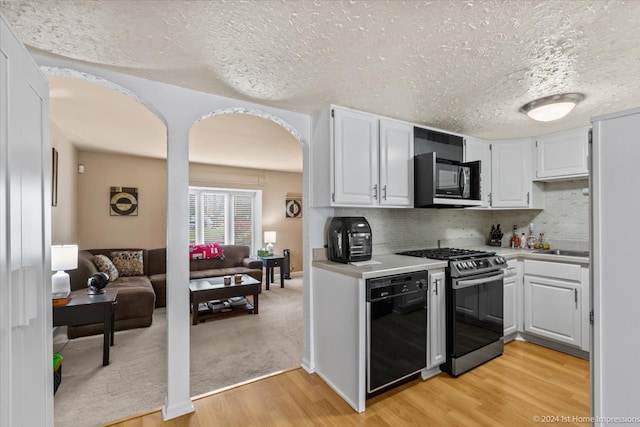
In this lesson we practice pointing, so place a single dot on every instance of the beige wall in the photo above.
(274, 186)
(97, 229)
(64, 228)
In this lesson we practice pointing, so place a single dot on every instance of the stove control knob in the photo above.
(421, 284)
(461, 266)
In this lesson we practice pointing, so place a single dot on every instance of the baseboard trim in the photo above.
(175, 411)
(306, 366)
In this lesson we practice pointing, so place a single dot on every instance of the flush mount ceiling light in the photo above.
(551, 107)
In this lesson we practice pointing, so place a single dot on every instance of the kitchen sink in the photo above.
(563, 252)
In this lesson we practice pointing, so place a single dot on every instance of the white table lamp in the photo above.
(270, 238)
(63, 257)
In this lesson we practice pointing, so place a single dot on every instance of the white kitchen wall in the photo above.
(565, 221)
(399, 229)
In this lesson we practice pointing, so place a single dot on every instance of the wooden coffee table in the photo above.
(213, 288)
(85, 309)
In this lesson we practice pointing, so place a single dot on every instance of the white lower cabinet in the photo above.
(553, 305)
(512, 300)
(436, 339)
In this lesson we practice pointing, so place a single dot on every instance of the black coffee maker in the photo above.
(349, 239)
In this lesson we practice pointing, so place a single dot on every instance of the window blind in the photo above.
(222, 216)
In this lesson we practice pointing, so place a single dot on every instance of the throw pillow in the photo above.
(105, 265)
(206, 251)
(128, 263)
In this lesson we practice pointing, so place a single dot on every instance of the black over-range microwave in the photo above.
(441, 178)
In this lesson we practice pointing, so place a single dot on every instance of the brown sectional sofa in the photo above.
(138, 295)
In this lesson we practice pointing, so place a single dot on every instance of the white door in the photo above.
(355, 156)
(615, 348)
(396, 163)
(511, 174)
(552, 309)
(437, 321)
(477, 149)
(26, 371)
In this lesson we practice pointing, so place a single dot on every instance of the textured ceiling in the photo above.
(465, 66)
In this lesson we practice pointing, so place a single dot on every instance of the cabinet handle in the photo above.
(375, 192)
(575, 296)
(437, 283)
(528, 198)
(384, 192)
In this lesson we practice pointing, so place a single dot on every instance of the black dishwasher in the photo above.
(396, 328)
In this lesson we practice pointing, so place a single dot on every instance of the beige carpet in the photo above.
(223, 352)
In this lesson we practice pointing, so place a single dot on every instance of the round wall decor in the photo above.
(124, 201)
(294, 208)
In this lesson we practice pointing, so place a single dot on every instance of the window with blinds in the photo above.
(222, 216)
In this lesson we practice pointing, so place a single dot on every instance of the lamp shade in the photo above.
(270, 236)
(64, 257)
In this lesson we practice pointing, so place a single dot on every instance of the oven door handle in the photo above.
(461, 284)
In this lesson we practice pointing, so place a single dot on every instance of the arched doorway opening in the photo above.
(97, 129)
(251, 156)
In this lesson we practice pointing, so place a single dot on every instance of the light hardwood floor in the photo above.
(528, 381)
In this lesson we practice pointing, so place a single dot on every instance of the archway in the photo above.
(89, 136)
(246, 151)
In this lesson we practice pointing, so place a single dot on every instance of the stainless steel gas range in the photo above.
(474, 306)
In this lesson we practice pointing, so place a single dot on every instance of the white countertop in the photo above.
(388, 265)
(398, 264)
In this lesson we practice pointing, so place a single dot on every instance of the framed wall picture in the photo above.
(293, 205)
(123, 201)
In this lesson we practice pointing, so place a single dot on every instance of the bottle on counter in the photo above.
(515, 240)
(523, 241)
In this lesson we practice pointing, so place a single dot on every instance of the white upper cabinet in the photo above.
(562, 155)
(355, 158)
(372, 160)
(474, 150)
(511, 175)
(506, 172)
(396, 163)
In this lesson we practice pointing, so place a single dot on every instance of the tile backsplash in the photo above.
(564, 220)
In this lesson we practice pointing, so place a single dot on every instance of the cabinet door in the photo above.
(512, 299)
(436, 340)
(477, 149)
(355, 156)
(562, 154)
(396, 163)
(510, 306)
(552, 309)
(511, 174)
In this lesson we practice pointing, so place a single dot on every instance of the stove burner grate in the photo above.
(447, 253)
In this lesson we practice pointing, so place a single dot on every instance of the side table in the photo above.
(84, 309)
(270, 262)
